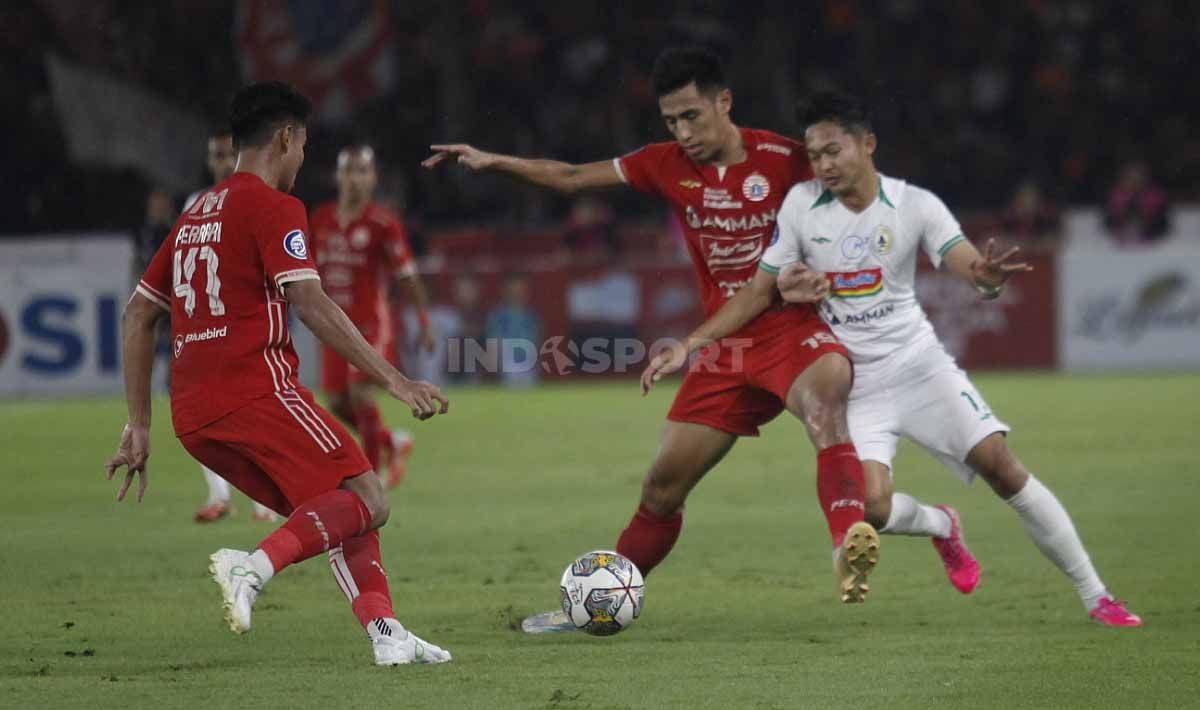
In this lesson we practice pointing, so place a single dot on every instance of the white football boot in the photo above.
(395, 645)
(239, 585)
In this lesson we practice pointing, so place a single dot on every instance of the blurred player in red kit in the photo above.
(228, 272)
(725, 185)
(359, 246)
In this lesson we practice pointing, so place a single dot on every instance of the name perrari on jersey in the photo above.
(870, 256)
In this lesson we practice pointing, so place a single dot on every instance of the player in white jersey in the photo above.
(849, 240)
(221, 160)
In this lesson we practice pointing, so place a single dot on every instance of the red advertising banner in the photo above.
(1016, 330)
(603, 319)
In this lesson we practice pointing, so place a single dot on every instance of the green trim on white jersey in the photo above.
(950, 244)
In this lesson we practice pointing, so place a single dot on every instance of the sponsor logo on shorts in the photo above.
(295, 245)
(856, 284)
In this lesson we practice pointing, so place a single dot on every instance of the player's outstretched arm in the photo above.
(333, 328)
(137, 334)
(564, 177)
(987, 272)
(754, 298)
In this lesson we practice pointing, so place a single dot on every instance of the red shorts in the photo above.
(337, 373)
(280, 450)
(742, 383)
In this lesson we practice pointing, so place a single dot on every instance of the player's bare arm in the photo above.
(753, 298)
(334, 328)
(420, 300)
(987, 272)
(564, 177)
(137, 334)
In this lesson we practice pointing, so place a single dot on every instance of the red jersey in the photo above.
(220, 272)
(728, 213)
(357, 259)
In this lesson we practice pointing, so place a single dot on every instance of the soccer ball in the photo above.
(602, 593)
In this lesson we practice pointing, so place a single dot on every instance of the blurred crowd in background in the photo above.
(1012, 110)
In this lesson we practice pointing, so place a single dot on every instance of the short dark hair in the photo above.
(847, 111)
(677, 67)
(219, 129)
(258, 110)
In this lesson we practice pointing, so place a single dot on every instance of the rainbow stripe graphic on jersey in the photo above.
(855, 284)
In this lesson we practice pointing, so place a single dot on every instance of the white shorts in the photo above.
(920, 394)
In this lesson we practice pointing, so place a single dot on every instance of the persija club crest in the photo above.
(756, 187)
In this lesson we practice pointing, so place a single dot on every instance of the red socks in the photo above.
(316, 526)
(650, 537)
(369, 424)
(358, 568)
(840, 488)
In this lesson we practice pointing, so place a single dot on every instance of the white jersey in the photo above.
(871, 259)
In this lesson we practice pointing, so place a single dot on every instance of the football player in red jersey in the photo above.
(221, 159)
(226, 274)
(725, 184)
(359, 246)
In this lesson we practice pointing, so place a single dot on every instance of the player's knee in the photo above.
(997, 465)
(878, 508)
(381, 509)
(818, 398)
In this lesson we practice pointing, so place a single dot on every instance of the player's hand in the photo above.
(460, 153)
(664, 363)
(423, 398)
(425, 340)
(132, 452)
(798, 284)
(993, 271)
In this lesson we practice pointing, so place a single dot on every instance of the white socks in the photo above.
(218, 488)
(911, 517)
(261, 564)
(1048, 524)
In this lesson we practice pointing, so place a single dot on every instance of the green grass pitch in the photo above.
(108, 605)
